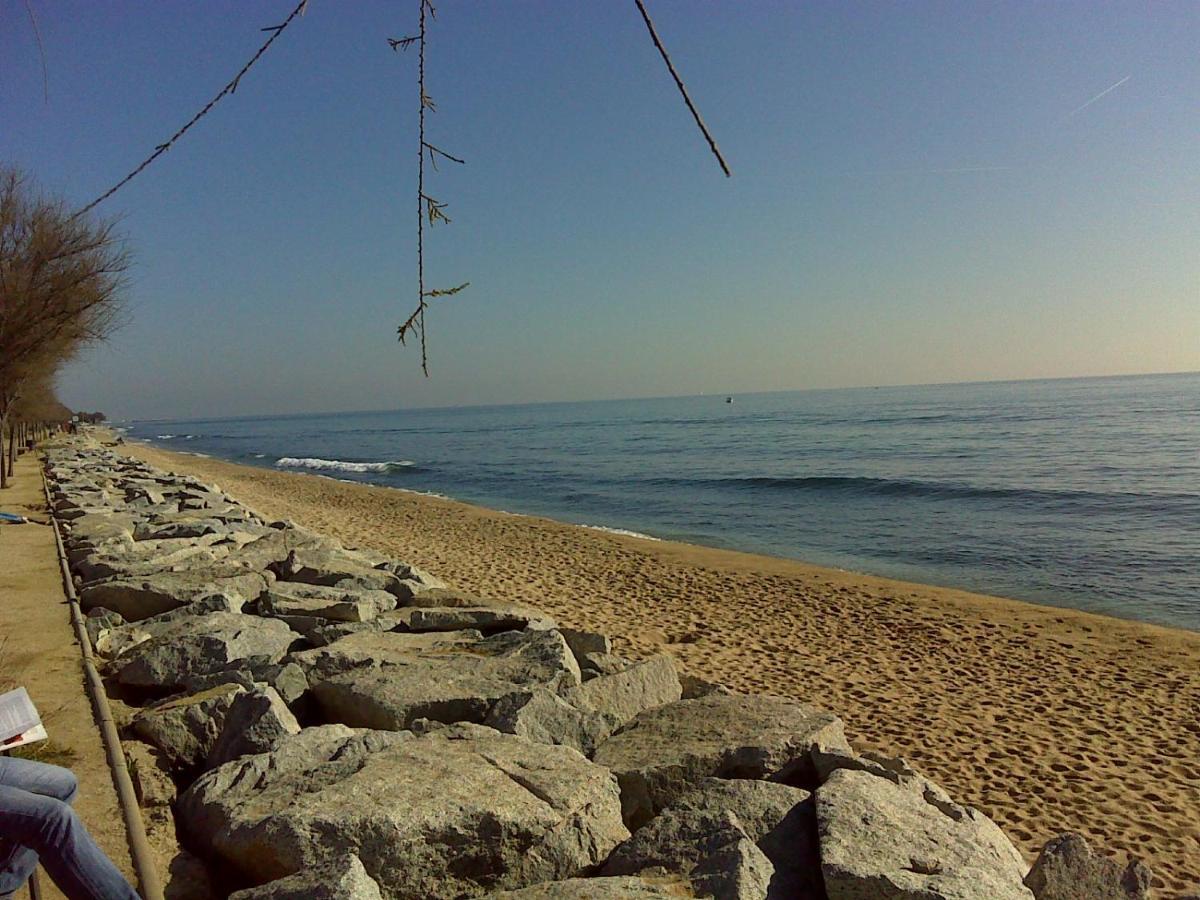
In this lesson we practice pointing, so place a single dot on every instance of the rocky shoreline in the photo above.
(322, 721)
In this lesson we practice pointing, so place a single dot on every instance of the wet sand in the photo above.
(1046, 719)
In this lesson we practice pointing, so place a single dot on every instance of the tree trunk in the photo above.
(3, 467)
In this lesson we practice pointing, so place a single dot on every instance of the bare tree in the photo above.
(62, 279)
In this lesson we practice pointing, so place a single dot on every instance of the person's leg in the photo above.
(47, 829)
(17, 862)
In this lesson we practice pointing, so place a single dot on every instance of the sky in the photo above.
(921, 192)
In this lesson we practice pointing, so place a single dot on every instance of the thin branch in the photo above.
(682, 90)
(37, 36)
(276, 31)
(446, 292)
(440, 152)
(402, 43)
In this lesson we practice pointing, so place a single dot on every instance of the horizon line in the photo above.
(854, 387)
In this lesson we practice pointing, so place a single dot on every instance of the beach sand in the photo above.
(1046, 719)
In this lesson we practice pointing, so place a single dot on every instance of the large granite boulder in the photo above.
(664, 751)
(487, 619)
(140, 598)
(880, 839)
(551, 716)
(201, 645)
(457, 811)
(390, 692)
(709, 849)
(634, 887)
(257, 722)
(341, 879)
(322, 602)
(781, 820)
(643, 686)
(338, 568)
(185, 730)
(1069, 869)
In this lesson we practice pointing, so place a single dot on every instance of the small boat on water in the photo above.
(728, 399)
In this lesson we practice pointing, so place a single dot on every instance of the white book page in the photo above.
(17, 714)
(37, 733)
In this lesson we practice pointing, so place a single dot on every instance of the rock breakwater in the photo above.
(322, 721)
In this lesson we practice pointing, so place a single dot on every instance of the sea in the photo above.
(1080, 493)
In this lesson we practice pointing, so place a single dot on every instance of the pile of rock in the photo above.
(327, 722)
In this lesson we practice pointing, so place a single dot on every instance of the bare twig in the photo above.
(276, 31)
(37, 36)
(427, 207)
(440, 152)
(447, 292)
(682, 90)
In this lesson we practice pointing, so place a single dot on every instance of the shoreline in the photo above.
(1047, 719)
(264, 465)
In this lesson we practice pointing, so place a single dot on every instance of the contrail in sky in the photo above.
(1107, 90)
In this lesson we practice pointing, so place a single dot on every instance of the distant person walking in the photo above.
(37, 824)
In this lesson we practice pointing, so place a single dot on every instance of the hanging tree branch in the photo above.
(427, 207)
(231, 87)
(682, 90)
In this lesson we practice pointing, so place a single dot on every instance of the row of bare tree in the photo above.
(62, 280)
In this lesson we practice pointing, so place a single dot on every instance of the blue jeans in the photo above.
(37, 824)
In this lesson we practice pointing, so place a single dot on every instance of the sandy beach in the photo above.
(1046, 719)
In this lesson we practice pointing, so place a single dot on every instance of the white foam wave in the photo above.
(338, 465)
(165, 437)
(623, 531)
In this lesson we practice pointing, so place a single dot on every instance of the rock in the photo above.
(256, 722)
(457, 811)
(489, 619)
(184, 528)
(694, 687)
(593, 665)
(100, 621)
(1068, 869)
(782, 822)
(188, 879)
(881, 839)
(337, 568)
(342, 879)
(287, 678)
(338, 604)
(369, 647)
(185, 730)
(444, 597)
(543, 716)
(439, 684)
(582, 642)
(664, 751)
(622, 888)
(643, 686)
(116, 640)
(141, 598)
(150, 774)
(202, 645)
(709, 849)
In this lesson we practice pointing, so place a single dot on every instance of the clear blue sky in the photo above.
(922, 192)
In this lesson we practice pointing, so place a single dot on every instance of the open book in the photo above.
(19, 720)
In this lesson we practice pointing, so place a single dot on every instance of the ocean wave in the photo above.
(165, 437)
(339, 465)
(622, 531)
(901, 487)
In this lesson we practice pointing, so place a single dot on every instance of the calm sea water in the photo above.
(1082, 493)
